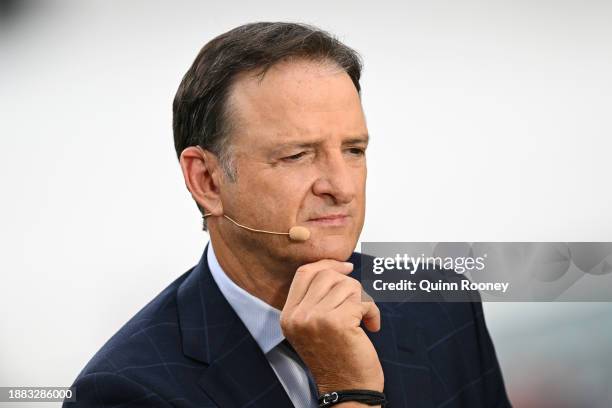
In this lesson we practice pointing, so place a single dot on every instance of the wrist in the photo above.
(324, 388)
(352, 398)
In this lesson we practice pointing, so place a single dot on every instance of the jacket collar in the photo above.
(261, 319)
(238, 372)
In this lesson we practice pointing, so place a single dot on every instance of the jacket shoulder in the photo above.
(136, 343)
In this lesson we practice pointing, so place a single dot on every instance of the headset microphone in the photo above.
(296, 233)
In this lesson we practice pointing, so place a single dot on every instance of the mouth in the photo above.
(331, 220)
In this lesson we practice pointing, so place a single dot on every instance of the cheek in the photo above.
(286, 193)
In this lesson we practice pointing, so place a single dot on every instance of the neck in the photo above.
(258, 274)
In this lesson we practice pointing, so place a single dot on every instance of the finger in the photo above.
(370, 316)
(339, 293)
(306, 273)
(327, 264)
(353, 311)
(321, 286)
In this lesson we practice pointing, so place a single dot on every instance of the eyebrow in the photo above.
(358, 139)
(362, 139)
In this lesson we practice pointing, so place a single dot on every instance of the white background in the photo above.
(490, 121)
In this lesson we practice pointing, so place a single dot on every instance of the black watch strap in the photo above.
(367, 397)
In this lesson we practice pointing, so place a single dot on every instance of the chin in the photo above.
(335, 247)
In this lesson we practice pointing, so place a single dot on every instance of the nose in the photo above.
(336, 181)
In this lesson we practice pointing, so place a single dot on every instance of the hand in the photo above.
(321, 319)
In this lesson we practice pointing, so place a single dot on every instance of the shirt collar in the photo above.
(260, 319)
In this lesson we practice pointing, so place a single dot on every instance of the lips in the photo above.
(330, 219)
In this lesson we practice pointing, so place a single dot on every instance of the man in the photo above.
(270, 133)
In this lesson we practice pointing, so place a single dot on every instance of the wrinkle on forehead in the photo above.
(296, 97)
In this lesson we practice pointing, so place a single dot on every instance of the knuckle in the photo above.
(355, 285)
(297, 317)
(302, 269)
(312, 322)
(345, 286)
(305, 320)
(284, 321)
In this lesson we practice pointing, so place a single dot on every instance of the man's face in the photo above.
(299, 148)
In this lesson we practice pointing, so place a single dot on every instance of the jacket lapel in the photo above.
(238, 373)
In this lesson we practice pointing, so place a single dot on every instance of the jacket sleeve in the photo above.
(105, 389)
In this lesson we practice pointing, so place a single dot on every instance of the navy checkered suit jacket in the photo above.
(188, 348)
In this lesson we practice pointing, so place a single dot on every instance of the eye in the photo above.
(294, 157)
(357, 151)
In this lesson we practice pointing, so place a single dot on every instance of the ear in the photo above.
(202, 174)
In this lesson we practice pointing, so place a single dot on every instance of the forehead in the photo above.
(295, 99)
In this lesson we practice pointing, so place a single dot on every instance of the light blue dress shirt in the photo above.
(263, 322)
